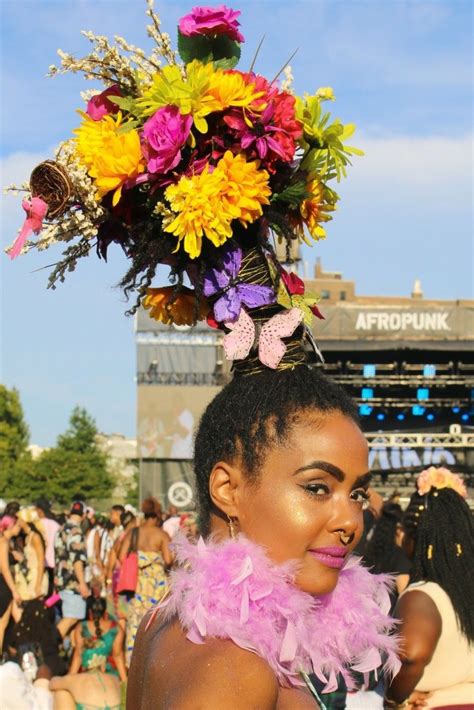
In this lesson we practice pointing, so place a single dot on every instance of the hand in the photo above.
(84, 591)
(418, 699)
(16, 598)
(37, 592)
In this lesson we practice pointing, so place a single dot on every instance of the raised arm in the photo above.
(38, 547)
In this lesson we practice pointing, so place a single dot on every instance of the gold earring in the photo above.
(231, 527)
(429, 552)
(458, 550)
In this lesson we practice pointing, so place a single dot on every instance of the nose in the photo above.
(346, 519)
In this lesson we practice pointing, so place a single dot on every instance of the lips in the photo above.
(330, 556)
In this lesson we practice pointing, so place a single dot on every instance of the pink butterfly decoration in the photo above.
(238, 343)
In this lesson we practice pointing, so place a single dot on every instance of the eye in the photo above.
(317, 490)
(362, 497)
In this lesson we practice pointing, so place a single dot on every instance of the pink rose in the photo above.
(164, 135)
(212, 21)
(99, 106)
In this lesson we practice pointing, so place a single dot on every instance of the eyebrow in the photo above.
(336, 472)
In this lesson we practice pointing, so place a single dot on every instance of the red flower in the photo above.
(99, 106)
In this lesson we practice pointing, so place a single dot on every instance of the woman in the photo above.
(283, 501)
(97, 666)
(31, 578)
(437, 609)
(384, 553)
(153, 554)
(119, 602)
(9, 528)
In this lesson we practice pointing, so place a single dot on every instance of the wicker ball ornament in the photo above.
(50, 181)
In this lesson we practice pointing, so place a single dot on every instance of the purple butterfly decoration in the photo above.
(232, 294)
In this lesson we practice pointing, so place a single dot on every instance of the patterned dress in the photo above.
(152, 585)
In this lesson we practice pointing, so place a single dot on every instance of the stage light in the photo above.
(417, 410)
(369, 370)
(365, 410)
(430, 417)
(456, 410)
(367, 393)
(422, 394)
(465, 417)
(400, 417)
(429, 371)
(380, 416)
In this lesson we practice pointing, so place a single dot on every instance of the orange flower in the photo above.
(179, 310)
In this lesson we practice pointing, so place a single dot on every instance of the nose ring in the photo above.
(345, 539)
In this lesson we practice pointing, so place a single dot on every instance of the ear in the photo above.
(224, 487)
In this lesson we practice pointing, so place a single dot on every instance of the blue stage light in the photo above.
(430, 417)
(367, 393)
(417, 410)
(400, 417)
(456, 410)
(365, 410)
(465, 417)
(380, 416)
(422, 394)
(369, 370)
(429, 371)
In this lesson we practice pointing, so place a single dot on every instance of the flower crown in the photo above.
(439, 478)
(196, 165)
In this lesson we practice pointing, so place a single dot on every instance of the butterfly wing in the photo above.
(271, 348)
(238, 343)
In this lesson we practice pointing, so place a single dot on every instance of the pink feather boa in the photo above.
(231, 590)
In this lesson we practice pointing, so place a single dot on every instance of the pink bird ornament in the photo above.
(35, 209)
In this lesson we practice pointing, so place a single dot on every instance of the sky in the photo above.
(401, 70)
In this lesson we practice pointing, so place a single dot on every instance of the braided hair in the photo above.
(96, 606)
(440, 524)
(253, 413)
(382, 543)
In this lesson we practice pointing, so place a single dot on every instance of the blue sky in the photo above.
(402, 71)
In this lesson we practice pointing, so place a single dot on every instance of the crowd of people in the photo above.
(69, 612)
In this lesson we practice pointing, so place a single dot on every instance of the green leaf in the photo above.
(128, 126)
(293, 194)
(126, 103)
(225, 48)
(197, 47)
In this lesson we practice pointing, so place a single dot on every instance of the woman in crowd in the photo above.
(273, 594)
(384, 553)
(152, 547)
(31, 578)
(9, 528)
(97, 666)
(128, 521)
(437, 608)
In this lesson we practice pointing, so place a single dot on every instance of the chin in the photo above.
(317, 582)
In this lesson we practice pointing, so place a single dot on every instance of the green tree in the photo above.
(14, 438)
(76, 465)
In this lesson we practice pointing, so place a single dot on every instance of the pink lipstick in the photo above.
(330, 556)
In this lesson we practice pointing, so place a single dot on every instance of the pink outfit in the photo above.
(50, 528)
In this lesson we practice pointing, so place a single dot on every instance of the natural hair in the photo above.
(252, 414)
(118, 507)
(382, 543)
(441, 526)
(151, 508)
(96, 606)
(126, 518)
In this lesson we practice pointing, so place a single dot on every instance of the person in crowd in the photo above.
(370, 516)
(48, 527)
(436, 611)
(281, 470)
(71, 561)
(97, 666)
(119, 602)
(152, 546)
(12, 509)
(114, 518)
(172, 522)
(9, 527)
(383, 553)
(19, 692)
(31, 578)
(94, 571)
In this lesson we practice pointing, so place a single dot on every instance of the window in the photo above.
(325, 293)
(342, 296)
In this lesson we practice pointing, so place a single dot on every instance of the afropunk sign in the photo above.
(404, 320)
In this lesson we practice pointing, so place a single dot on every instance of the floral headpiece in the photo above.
(184, 160)
(439, 478)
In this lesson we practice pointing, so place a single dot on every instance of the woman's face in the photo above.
(309, 499)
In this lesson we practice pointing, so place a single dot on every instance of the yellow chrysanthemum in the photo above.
(111, 158)
(180, 310)
(228, 89)
(206, 204)
(315, 209)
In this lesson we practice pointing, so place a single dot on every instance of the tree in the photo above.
(76, 465)
(14, 439)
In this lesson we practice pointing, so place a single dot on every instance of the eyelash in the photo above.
(312, 489)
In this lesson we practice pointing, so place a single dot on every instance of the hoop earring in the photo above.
(231, 527)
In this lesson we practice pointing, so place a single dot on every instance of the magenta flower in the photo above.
(100, 105)
(211, 21)
(165, 133)
(260, 136)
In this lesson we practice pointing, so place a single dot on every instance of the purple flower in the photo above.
(100, 105)
(259, 136)
(211, 21)
(165, 133)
